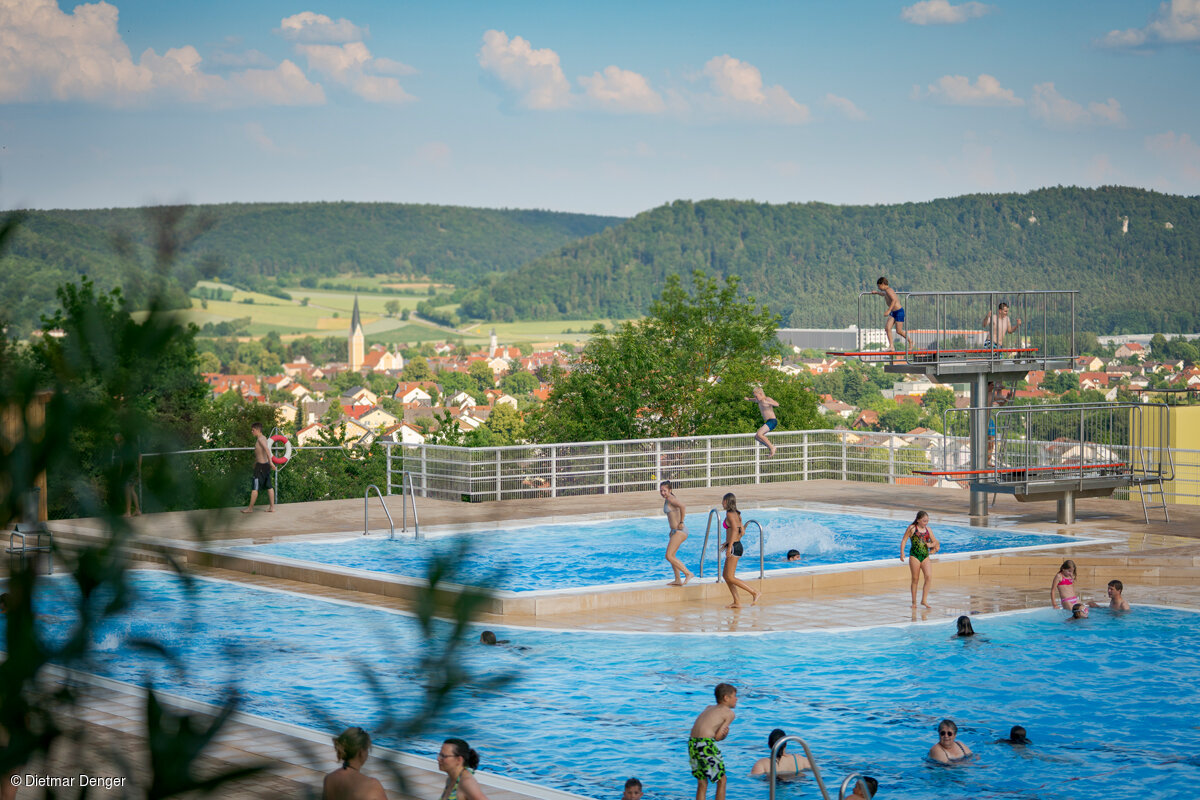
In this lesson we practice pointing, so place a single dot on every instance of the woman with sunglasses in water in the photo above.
(948, 748)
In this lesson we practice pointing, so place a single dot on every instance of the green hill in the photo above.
(809, 261)
(268, 245)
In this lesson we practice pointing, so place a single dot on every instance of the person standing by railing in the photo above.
(675, 512)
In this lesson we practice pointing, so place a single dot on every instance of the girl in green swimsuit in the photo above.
(924, 544)
(459, 762)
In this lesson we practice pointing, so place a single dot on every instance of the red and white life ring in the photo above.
(287, 449)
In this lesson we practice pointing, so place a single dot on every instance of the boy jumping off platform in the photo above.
(765, 406)
(711, 727)
(895, 312)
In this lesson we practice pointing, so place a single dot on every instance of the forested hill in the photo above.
(269, 244)
(809, 261)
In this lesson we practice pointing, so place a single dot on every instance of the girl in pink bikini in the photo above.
(1064, 583)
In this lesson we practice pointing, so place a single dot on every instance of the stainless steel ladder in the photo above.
(408, 493)
(812, 762)
(379, 494)
(716, 512)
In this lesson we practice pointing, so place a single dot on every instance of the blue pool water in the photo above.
(1109, 702)
(631, 550)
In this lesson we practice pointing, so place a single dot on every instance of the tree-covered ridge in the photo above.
(264, 244)
(809, 261)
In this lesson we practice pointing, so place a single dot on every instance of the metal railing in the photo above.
(762, 544)
(780, 743)
(379, 494)
(520, 472)
(962, 327)
(407, 497)
(715, 512)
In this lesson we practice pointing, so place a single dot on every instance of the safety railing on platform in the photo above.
(477, 474)
(952, 328)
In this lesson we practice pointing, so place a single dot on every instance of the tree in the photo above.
(937, 400)
(417, 369)
(392, 307)
(683, 370)
(507, 423)
(900, 419)
(519, 383)
(483, 377)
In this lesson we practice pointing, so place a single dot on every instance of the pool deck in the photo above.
(1159, 563)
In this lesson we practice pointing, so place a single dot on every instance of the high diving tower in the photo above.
(1056, 452)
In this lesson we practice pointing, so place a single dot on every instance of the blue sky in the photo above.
(603, 107)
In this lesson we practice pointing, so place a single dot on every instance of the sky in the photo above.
(610, 107)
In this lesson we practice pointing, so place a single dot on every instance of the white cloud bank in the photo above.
(847, 107)
(1057, 111)
(621, 90)
(46, 54)
(335, 49)
(534, 77)
(1177, 22)
(957, 90)
(738, 90)
(941, 12)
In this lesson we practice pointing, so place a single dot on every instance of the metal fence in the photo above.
(964, 327)
(476, 474)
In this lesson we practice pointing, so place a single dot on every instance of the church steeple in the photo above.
(356, 339)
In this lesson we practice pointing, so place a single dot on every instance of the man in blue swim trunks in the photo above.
(895, 311)
(765, 406)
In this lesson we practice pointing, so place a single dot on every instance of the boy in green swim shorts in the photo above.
(711, 727)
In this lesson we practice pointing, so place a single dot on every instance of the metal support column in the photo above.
(1066, 508)
(978, 424)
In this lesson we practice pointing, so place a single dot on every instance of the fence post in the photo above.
(708, 461)
(658, 470)
(499, 484)
(892, 459)
(387, 449)
(606, 476)
(804, 457)
(757, 463)
(843, 456)
(554, 470)
(424, 472)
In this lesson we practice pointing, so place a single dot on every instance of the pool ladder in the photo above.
(847, 784)
(716, 512)
(366, 499)
(407, 497)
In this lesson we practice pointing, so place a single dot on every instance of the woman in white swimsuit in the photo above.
(675, 515)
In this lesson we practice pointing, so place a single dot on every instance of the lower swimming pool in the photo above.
(1109, 702)
(615, 551)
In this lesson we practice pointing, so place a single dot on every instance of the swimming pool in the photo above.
(1109, 702)
(630, 550)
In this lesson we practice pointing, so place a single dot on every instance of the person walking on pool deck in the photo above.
(924, 546)
(262, 469)
(765, 406)
(709, 728)
(734, 531)
(678, 534)
(347, 782)
(895, 312)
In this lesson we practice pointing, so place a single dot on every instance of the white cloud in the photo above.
(847, 107)
(308, 26)
(941, 12)
(243, 59)
(957, 90)
(621, 90)
(1176, 22)
(350, 64)
(535, 77)
(1178, 150)
(1055, 110)
(46, 54)
(738, 89)
(386, 66)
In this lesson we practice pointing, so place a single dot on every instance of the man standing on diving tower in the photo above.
(998, 326)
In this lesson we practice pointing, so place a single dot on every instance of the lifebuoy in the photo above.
(287, 449)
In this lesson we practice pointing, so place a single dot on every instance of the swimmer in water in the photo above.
(948, 748)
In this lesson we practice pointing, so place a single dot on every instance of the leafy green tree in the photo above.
(417, 369)
(507, 423)
(900, 419)
(937, 400)
(683, 370)
(453, 382)
(484, 379)
(448, 431)
(392, 307)
(519, 383)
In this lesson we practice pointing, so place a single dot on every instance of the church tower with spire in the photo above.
(356, 339)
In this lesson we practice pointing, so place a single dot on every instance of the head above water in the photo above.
(793, 555)
(773, 737)
(1117, 586)
(964, 626)
(350, 744)
(1017, 735)
(633, 790)
(487, 637)
(724, 690)
(458, 748)
(1079, 611)
(948, 726)
(872, 786)
(729, 502)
